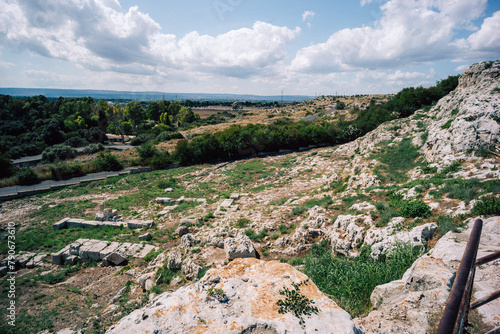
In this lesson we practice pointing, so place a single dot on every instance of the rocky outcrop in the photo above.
(407, 305)
(238, 298)
(465, 117)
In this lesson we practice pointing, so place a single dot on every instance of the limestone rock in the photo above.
(174, 260)
(252, 289)
(190, 269)
(239, 247)
(147, 236)
(182, 230)
(189, 240)
(114, 258)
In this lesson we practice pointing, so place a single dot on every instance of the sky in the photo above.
(318, 47)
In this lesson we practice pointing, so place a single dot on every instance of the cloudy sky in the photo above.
(243, 46)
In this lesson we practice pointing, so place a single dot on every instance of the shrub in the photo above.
(6, 167)
(108, 162)
(414, 209)
(242, 222)
(488, 205)
(298, 210)
(142, 139)
(63, 171)
(93, 148)
(58, 152)
(27, 176)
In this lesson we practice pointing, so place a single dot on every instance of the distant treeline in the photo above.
(243, 141)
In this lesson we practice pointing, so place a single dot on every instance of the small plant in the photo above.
(447, 125)
(242, 222)
(414, 209)
(296, 303)
(454, 112)
(218, 294)
(275, 235)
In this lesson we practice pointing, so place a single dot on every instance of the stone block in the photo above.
(146, 237)
(124, 247)
(57, 258)
(94, 251)
(133, 250)
(145, 251)
(85, 248)
(164, 200)
(133, 224)
(63, 223)
(89, 223)
(72, 260)
(74, 222)
(227, 203)
(114, 258)
(99, 217)
(74, 248)
(234, 196)
(24, 259)
(109, 249)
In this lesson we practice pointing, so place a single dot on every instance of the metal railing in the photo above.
(456, 313)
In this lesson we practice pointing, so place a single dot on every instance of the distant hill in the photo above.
(112, 94)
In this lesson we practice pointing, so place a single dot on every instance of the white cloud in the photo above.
(100, 35)
(308, 14)
(409, 32)
(488, 37)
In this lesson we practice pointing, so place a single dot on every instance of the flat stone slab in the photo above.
(109, 249)
(91, 249)
(227, 203)
(75, 222)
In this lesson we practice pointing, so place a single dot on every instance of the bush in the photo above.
(168, 135)
(414, 209)
(93, 148)
(108, 162)
(142, 139)
(298, 210)
(64, 171)
(488, 205)
(58, 152)
(27, 176)
(6, 167)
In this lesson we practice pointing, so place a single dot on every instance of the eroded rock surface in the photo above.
(250, 292)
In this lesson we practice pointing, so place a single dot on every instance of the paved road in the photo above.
(33, 159)
(49, 184)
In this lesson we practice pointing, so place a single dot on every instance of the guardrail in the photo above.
(456, 313)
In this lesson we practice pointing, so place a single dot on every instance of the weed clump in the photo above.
(488, 205)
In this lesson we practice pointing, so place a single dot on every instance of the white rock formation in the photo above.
(250, 290)
(239, 247)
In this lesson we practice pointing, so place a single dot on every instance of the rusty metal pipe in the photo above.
(451, 313)
(485, 300)
(488, 258)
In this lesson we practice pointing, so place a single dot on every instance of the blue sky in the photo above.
(243, 46)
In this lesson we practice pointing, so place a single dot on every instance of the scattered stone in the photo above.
(114, 259)
(239, 247)
(174, 260)
(182, 230)
(147, 236)
(189, 240)
(190, 269)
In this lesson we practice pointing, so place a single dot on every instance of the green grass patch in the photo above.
(447, 125)
(352, 280)
(396, 161)
(486, 206)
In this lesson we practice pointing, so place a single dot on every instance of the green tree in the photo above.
(134, 113)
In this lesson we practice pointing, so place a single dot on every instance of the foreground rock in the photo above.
(247, 304)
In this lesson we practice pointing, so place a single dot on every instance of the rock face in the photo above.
(464, 118)
(250, 290)
(406, 305)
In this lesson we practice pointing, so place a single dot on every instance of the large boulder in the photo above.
(243, 299)
(239, 247)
